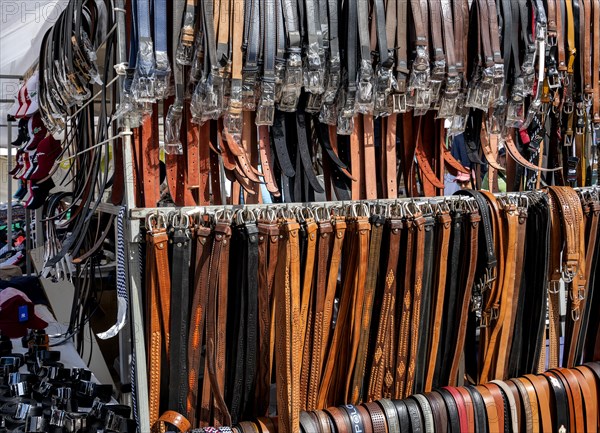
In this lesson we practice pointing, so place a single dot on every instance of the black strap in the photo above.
(451, 303)
(178, 337)
(426, 298)
(403, 416)
(416, 417)
(453, 417)
(481, 424)
(560, 402)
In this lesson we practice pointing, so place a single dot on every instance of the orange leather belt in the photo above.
(159, 290)
(287, 335)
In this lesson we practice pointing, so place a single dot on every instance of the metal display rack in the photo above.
(137, 360)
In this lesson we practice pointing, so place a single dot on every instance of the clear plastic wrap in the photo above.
(173, 144)
(481, 89)
(459, 120)
(162, 75)
(266, 105)
(196, 102)
(185, 48)
(365, 82)
(314, 72)
(233, 118)
(69, 96)
(515, 114)
(385, 84)
(449, 100)
(249, 84)
(333, 81)
(212, 103)
(314, 102)
(279, 79)
(438, 73)
(420, 74)
(346, 113)
(92, 57)
(143, 79)
(328, 112)
(290, 92)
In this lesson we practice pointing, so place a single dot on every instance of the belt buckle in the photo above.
(580, 123)
(212, 102)
(292, 85)
(399, 103)
(58, 417)
(314, 75)
(328, 114)
(185, 48)
(279, 78)
(75, 422)
(143, 88)
(172, 127)
(386, 83)
(162, 75)
(346, 114)
(365, 83)
(515, 114)
(314, 102)
(249, 83)
(233, 118)
(333, 84)
(266, 106)
(113, 421)
(449, 100)
(553, 77)
(421, 101)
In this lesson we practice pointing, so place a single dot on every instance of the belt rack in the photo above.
(136, 215)
(133, 230)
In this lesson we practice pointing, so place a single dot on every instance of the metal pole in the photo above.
(9, 188)
(132, 269)
(27, 241)
(39, 228)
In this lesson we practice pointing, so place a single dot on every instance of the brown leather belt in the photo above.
(199, 304)
(268, 246)
(325, 244)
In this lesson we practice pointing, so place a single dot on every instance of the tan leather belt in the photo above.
(310, 229)
(287, 335)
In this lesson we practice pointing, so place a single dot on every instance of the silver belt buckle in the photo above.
(449, 100)
(346, 114)
(249, 84)
(292, 85)
(173, 144)
(266, 106)
(386, 83)
(314, 75)
(364, 94)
